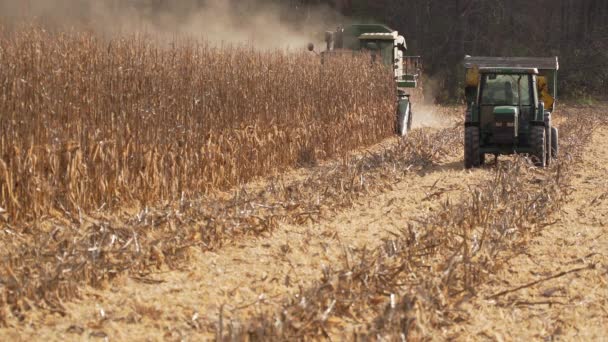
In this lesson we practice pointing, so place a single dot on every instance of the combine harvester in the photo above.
(391, 48)
(509, 106)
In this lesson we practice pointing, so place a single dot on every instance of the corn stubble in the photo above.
(88, 123)
(413, 285)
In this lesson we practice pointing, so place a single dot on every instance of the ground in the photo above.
(563, 273)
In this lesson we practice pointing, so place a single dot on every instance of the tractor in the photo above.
(510, 101)
(389, 47)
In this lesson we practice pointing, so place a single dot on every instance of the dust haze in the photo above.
(215, 21)
(431, 116)
(427, 112)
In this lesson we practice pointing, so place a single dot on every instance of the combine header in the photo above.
(509, 106)
(390, 48)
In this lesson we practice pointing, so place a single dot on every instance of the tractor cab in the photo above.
(509, 107)
(507, 99)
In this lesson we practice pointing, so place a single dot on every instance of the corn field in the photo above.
(88, 123)
(123, 159)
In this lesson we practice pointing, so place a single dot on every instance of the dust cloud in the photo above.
(426, 111)
(216, 21)
(430, 116)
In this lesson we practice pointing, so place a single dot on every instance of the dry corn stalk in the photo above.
(87, 123)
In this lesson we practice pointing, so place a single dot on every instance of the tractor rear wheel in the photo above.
(472, 157)
(554, 142)
(538, 144)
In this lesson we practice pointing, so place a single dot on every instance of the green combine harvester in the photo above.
(509, 106)
(389, 47)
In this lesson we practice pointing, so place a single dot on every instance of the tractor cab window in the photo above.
(505, 90)
(382, 48)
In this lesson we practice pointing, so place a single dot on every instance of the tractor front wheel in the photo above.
(472, 157)
(539, 145)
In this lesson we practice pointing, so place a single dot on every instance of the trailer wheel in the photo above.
(403, 124)
(472, 157)
(554, 142)
(538, 144)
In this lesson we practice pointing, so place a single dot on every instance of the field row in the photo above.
(413, 285)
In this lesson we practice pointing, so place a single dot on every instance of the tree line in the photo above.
(444, 31)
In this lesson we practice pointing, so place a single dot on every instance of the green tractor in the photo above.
(509, 106)
(389, 47)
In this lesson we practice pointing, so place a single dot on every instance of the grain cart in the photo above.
(387, 46)
(509, 106)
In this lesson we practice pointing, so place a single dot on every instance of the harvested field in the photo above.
(149, 193)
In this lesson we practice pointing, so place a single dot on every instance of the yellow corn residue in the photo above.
(543, 90)
(472, 77)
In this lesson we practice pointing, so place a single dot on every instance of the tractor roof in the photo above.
(541, 63)
(500, 70)
(359, 29)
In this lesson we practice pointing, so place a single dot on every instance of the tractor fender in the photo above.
(471, 116)
(547, 119)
